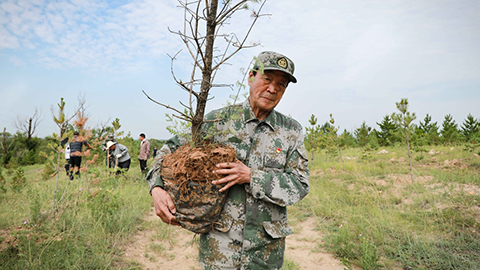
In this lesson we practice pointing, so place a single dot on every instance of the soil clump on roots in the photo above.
(188, 174)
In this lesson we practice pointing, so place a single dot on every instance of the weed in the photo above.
(290, 265)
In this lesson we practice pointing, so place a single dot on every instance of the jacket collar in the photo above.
(249, 115)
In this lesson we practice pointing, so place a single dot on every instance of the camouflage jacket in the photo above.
(254, 218)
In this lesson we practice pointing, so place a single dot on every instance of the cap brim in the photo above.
(289, 75)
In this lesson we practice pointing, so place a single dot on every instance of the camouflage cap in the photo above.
(275, 61)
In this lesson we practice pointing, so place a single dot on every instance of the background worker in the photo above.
(110, 162)
(76, 153)
(144, 153)
(119, 153)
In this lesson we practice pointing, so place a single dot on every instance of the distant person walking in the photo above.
(119, 153)
(76, 153)
(155, 152)
(144, 153)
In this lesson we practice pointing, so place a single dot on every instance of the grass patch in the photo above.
(94, 216)
(376, 217)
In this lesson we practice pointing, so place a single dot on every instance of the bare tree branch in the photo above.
(245, 38)
(166, 106)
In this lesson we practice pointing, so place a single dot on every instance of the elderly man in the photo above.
(271, 174)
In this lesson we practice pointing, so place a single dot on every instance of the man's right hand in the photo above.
(164, 206)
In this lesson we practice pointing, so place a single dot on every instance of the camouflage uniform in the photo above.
(253, 225)
(252, 229)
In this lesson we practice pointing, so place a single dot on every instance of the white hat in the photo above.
(110, 143)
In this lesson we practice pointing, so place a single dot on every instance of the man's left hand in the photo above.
(236, 173)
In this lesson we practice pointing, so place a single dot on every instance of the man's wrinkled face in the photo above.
(266, 91)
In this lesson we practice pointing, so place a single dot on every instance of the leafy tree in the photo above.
(387, 134)
(450, 132)
(470, 128)
(404, 119)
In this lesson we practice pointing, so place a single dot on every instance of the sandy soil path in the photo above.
(180, 250)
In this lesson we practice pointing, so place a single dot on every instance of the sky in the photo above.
(353, 59)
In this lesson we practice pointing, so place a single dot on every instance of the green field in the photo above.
(373, 215)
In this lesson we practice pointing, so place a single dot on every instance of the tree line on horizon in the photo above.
(389, 132)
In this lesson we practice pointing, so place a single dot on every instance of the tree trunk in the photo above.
(409, 155)
(206, 74)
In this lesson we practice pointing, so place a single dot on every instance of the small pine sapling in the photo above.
(404, 120)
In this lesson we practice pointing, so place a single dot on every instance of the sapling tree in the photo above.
(313, 134)
(61, 120)
(404, 120)
(209, 48)
(333, 139)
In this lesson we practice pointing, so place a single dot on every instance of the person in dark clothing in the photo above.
(76, 154)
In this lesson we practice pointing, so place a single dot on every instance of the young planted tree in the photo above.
(404, 120)
(312, 135)
(210, 47)
(62, 122)
(333, 139)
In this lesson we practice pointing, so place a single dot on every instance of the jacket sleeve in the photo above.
(147, 149)
(283, 186)
(123, 150)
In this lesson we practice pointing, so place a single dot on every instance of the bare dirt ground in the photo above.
(180, 250)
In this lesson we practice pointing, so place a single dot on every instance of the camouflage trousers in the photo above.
(229, 251)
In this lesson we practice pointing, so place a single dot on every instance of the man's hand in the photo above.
(164, 206)
(236, 173)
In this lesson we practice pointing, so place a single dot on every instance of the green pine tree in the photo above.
(362, 134)
(429, 130)
(450, 132)
(470, 128)
(387, 134)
